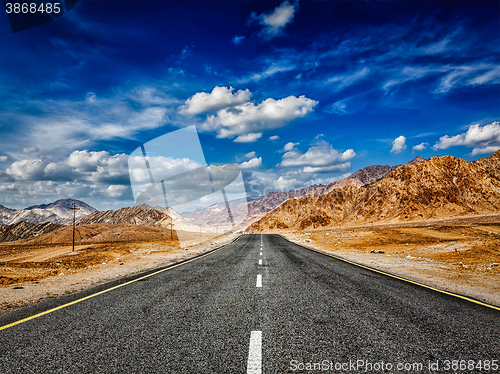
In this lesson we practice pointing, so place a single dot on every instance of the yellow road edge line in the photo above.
(396, 277)
(112, 288)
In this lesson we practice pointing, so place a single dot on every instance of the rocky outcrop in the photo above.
(25, 230)
(143, 215)
(439, 187)
(491, 164)
(217, 215)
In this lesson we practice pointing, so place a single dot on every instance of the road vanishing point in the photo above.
(258, 305)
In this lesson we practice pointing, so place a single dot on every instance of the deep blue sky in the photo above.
(296, 93)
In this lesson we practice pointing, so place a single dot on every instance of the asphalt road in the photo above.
(211, 315)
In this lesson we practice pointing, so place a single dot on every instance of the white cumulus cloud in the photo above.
(321, 157)
(251, 164)
(220, 97)
(289, 146)
(85, 160)
(398, 144)
(89, 167)
(116, 190)
(249, 118)
(482, 139)
(27, 169)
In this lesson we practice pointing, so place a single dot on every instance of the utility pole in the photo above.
(74, 216)
(171, 237)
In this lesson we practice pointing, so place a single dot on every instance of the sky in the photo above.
(295, 93)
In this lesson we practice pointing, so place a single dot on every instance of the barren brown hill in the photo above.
(143, 215)
(217, 214)
(490, 164)
(370, 174)
(416, 160)
(25, 230)
(98, 233)
(362, 177)
(136, 215)
(439, 187)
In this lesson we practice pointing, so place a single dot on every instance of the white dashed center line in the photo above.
(254, 365)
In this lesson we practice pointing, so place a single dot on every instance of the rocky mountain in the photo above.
(362, 177)
(369, 175)
(25, 230)
(62, 208)
(217, 215)
(36, 216)
(57, 212)
(439, 187)
(143, 214)
(490, 165)
(416, 160)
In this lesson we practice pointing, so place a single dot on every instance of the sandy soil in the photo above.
(462, 258)
(32, 273)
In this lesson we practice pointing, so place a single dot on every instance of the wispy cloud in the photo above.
(344, 80)
(273, 68)
(248, 138)
(469, 75)
(274, 22)
(237, 39)
(420, 147)
(60, 126)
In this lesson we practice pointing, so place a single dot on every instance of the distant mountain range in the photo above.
(144, 215)
(420, 189)
(217, 215)
(58, 212)
(141, 215)
(439, 187)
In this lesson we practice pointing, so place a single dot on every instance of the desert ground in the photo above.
(456, 255)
